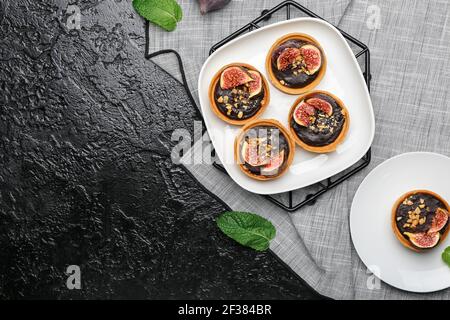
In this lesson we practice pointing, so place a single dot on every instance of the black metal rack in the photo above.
(364, 52)
(266, 15)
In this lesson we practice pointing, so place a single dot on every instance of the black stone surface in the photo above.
(85, 171)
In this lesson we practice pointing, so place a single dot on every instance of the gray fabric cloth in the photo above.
(196, 34)
(410, 58)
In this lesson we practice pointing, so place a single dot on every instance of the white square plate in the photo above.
(342, 78)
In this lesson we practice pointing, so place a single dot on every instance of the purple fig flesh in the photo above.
(211, 5)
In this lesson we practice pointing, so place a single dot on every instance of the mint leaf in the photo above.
(248, 229)
(164, 13)
(446, 256)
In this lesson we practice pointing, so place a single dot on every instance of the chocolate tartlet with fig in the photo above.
(318, 121)
(238, 93)
(420, 219)
(264, 149)
(296, 63)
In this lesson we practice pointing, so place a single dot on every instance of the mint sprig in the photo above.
(446, 256)
(247, 229)
(164, 13)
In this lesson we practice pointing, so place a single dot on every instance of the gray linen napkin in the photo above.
(410, 56)
(196, 34)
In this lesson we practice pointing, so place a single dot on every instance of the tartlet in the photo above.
(264, 149)
(420, 220)
(238, 93)
(318, 121)
(296, 63)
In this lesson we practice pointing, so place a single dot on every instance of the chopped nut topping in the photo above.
(240, 114)
(220, 99)
(408, 202)
(225, 99)
(399, 218)
(414, 218)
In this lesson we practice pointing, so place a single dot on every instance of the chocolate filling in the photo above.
(275, 138)
(429, 203)
(235, 103)
(290, 78)
(326, 129)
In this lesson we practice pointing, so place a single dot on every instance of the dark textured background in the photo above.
(85, 171)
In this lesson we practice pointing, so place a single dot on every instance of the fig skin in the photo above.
(321, 105)
(274, 164)
(250, 153)
(212, 5)
(308, 108)
(439, 221)
(424, 240)
(287, 57)
(302, 114)
(233, 77)
(255, 86)
(312, 56)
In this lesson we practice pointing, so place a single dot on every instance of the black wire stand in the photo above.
(363, 53)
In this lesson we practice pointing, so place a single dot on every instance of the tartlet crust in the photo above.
(277, 83)
(213, 104)
(405, 242)
(264, 122)
(332, 146)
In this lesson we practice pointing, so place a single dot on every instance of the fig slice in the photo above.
(440, 219)
(234, 76)
(244, 151)
(255, 86)
(312, 57)
(302, 114)
(287, 57)
(251, 153)
(274, 164)
(424, 240)
(321, 105)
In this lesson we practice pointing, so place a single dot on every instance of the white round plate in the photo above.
(370, 223)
